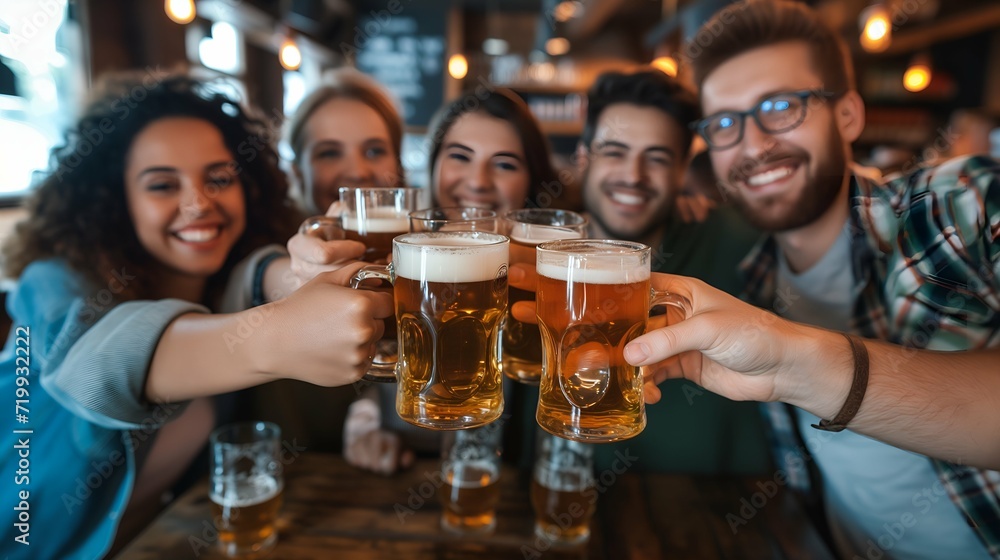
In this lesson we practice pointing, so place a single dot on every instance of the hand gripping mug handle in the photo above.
(663, 297)
(379, 372)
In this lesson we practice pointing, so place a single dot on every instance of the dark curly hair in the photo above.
(79, 211)
(503, 104)
(645, 88)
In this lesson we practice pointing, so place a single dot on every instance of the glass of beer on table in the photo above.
(245, 487)
(593, 298)
(470, 469)
(450, 292)
(522, 343)
(562, 490)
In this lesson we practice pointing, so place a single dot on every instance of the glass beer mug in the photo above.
(522, 343)
(375, 216)
(563, 494)
(450, 292)
(593, 298)
(470, 471)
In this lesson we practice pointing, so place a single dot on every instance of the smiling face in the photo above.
(345, 144)
(184, 196)
(481, 164)
(785, 180)
(633, 172)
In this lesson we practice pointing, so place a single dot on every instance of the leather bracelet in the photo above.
(857, 392)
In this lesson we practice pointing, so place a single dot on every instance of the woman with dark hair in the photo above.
(157, 212)
(487, 150)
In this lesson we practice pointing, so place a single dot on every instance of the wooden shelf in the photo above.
(562, 128)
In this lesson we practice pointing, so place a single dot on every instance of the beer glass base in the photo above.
(233, 549)
(529, 373)
(555, 537)
(463, 529)
(596, 434)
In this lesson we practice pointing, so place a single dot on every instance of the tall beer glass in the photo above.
(522, 343)
(374, 216)
(562, 490)
(246, 486)
(470, 471)
(450, 291)
(454, 218)
(594, 297)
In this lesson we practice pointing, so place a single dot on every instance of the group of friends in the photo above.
(164, 269)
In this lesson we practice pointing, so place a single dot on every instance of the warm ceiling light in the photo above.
(876, 32)
(566, 11)
(666, 64)
(557, 46)
(180, 11)
(918, 76)
(458, 67)
(289, 55)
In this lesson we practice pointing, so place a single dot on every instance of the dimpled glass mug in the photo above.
(593, 298)
(450, 292)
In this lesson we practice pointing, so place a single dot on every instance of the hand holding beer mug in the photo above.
(593, 298)
(375, 216)
(470, 469)
(246, 486)
(450, 290)
(562, 490)
(522, 343)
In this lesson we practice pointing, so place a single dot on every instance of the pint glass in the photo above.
(470, 471)
(450, 292)
(375, 216)
(562, 490)
(522, 343)
(594, 297)
(246, 487)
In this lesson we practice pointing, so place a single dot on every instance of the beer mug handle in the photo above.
(663, 297)
(379, 372)
(322, 227)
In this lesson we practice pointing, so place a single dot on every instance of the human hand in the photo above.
(324, 333)
(725, 345)
(524, 277)
(369, 447)
(320, 246)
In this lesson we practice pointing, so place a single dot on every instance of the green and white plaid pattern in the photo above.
(926, 250)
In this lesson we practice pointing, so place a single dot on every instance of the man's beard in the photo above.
(592, 199)
(814, 200)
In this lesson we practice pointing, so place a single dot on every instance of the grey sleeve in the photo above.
(245, 288)
(102, 375)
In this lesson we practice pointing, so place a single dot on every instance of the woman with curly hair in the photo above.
(159, 211)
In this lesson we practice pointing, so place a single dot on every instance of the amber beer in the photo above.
(451, 295)
(593, 298)
(522, 342)
(563, 502)
(376, 231)
(246, 513)
(469, 496)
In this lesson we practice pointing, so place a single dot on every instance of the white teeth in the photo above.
(625, 198)
(199, 235)
(769, 176)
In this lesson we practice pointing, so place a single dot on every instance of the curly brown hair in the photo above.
(79, 212)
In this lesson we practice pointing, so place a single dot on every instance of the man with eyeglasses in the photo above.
(914, 263)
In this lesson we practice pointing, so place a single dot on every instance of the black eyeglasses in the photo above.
(780, 112)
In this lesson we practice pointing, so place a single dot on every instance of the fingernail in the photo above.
(636, 352)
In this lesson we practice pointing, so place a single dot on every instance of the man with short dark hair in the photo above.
(914, 262)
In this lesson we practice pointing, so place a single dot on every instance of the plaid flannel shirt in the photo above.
(926, 249)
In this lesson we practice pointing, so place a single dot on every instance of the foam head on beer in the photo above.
(451, 257)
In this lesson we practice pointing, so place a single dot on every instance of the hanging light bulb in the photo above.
(289, 55)
(666, 64)
(458, 67)
(876, 28)
(918, 76)
(180, 11)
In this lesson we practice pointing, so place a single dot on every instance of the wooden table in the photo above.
(333, 510)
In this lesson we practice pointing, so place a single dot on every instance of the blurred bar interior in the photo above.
(927, 69)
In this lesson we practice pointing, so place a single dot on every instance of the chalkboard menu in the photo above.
(403, 46)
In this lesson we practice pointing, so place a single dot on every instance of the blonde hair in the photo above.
(347, 83)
